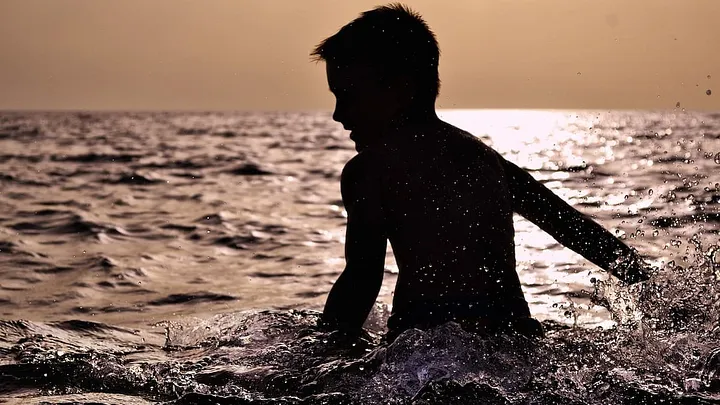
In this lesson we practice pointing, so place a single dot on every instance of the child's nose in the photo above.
(339, 113)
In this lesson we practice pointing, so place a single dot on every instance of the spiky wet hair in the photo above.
(393, 38)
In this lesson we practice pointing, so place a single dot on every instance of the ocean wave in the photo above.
(135, 178)
(249, 169)
(96, 158)
(191, 298)
(276, 357)
(682, 220)
(9, 178)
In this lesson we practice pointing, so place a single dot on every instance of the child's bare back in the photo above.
(444, 203)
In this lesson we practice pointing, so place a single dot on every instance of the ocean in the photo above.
(180, 257)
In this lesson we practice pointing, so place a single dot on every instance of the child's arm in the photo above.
(353, 294)
(571, 228)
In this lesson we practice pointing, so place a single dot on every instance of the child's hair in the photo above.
(394, 39)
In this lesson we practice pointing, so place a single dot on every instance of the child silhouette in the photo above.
(442, 197)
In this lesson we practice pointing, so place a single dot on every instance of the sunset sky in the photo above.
(253, 55)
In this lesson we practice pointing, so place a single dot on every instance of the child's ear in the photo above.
(406, 86)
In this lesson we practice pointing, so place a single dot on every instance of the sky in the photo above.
(253, 54)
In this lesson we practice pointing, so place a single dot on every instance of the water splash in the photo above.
(663, 351)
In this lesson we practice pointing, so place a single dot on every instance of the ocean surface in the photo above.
(182, 258)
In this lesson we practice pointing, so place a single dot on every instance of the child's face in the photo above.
(364, 104)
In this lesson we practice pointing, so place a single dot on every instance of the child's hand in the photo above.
(632, 269)
(331, 331)
(638, 274)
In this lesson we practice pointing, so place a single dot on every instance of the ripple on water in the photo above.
(249, 169)
(22, 181)
(136, 178)
(96, 158)
(57, 222)
(191, 298)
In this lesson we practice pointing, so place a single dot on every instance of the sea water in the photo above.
(183, 258)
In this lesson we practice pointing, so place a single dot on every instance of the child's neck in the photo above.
(411, 121)
(413, 117)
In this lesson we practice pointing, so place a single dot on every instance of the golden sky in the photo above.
(253, 55)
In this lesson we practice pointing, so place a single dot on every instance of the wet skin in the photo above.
(445, 201)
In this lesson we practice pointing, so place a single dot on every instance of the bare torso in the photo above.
(448, 215)
(445, 202)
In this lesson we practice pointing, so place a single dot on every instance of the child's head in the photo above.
(382, 63)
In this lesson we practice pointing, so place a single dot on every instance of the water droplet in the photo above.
(650, 192)
(708, 92)
(693, 384)
(717, 158)
(714, 255)
(677, 105)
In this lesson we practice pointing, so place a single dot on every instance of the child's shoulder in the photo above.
(363, 165)
(361, 161)
(463, 142)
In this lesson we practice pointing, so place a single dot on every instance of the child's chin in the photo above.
(358, 140)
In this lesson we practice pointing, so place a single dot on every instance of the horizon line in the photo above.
(281, 110)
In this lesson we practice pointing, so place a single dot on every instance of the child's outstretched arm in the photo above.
(571, 228)
(353, 294)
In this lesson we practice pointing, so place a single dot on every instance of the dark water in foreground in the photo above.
(182, 258)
